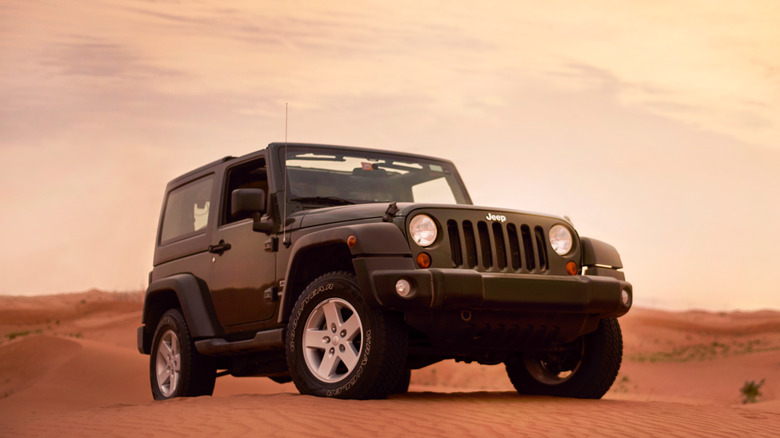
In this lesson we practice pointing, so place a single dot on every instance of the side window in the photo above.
(251, 175)
(187, 209)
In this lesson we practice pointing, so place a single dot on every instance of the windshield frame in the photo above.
(384, 160)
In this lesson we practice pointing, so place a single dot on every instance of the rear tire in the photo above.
(402, 387)
(176, 369)
(584, 369)
(339, 346)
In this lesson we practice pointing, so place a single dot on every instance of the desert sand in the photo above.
(69, 367)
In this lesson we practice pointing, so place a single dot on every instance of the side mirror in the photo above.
(247, 202)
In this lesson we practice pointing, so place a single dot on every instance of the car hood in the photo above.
(341, 213)
(406, 209)
(363, 212)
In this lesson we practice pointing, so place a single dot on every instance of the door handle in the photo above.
(219, 248)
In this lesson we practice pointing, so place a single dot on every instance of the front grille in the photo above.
(497, 247)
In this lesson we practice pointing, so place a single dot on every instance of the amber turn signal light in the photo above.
(351, 241)
(572, 268)
(423, 260)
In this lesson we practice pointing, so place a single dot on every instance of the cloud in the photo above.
(323, 31)
(623, 116)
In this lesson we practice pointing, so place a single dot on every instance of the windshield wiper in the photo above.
(325, 200)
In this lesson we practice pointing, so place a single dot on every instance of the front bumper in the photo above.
(466, 289)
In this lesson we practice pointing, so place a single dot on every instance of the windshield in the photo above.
(323, 177)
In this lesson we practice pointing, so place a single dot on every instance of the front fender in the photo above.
(370, 239)
(601, 259)
(596, 252)
(373, 239)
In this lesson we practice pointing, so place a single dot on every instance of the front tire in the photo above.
(338, 346)
(176, 369)
(584, 369)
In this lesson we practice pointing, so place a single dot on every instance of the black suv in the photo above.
(342, 269)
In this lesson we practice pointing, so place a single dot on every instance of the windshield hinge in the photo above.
(392, 209)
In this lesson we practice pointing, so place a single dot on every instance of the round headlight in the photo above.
(560, 239)
(423, 230)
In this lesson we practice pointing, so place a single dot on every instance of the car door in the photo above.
(243, 272)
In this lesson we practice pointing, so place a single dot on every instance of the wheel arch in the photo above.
(182, 291)
(310, 263)
(325, 251)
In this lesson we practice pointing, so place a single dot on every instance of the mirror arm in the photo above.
(262, 225)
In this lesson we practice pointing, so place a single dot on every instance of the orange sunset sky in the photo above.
(654, 125)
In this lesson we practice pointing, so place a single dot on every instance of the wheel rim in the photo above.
(332, 340)
(554, 368)
(168, 364)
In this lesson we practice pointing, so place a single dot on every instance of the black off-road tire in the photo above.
(364, 363)
(598, 366)
(192, 373)
(402, 387)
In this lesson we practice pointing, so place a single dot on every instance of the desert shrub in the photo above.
(13, 335)
(751, 391)
(622, 384)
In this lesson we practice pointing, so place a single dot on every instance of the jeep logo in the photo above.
(496, 217)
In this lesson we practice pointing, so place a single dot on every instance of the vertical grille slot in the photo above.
(514, 246)
(455, 248)
(493, 246)
(471, 244)
(528, 248)
(541, 248)
(484, 244)
(498, 235)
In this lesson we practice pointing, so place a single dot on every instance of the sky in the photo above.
(654, 125)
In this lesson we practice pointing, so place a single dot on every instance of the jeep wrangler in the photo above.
(342, 269)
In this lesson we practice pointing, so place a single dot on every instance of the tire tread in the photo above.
(597, 373)
(198, 372)
(390, 341)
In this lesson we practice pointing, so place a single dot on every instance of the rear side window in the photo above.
(187, 210)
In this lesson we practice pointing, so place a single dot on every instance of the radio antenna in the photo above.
(284, 198)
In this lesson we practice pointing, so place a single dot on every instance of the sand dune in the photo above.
(71, 369)
(415, 414)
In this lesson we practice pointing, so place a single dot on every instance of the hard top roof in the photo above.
(272, 147)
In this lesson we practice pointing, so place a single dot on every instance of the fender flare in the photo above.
(596, 252)
(372, 239)
(193, 297)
